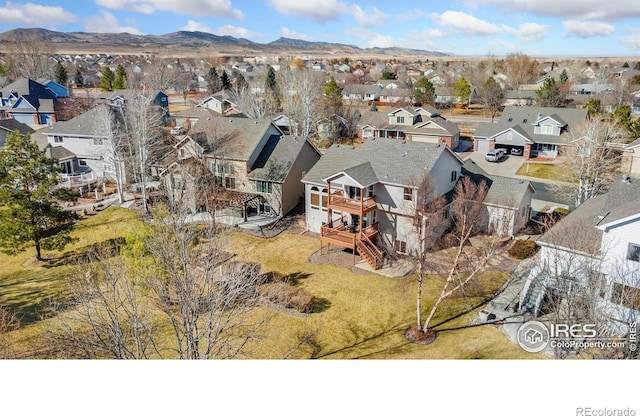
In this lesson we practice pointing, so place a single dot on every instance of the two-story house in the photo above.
(257, 167)
(28, 102)
(418, 124)
(536, 131)
(593, 252)
(365, 197)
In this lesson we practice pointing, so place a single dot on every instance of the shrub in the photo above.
(522, 249)
(287, 296)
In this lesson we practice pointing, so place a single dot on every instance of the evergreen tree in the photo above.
(333, 96)
(224, 80)
(462, 89)
(637, 66)
(549, 94)
(61, 74)
(424, 91)
(213, 81)
(625, 64)
(79, 79)
(491, 95)
(564, 76)
(593, 106)
(388, 75)
(120, 80)
(29, 212)
(107, 79)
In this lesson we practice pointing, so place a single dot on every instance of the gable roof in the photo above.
(11, 124)
(31, 91)
(622, 202)
(277, 157)
(390, 161)
(502, 191)
(87, 124)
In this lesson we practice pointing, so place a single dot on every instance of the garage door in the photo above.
(483, 145)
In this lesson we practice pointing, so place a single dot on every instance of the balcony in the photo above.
(338, 202)
(78, 180)
(344, 236)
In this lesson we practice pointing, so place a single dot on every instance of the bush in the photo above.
(522, 249)
(287, 296)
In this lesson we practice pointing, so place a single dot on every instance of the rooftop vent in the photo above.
(626, 179)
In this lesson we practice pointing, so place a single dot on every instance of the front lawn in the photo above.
(545, 171)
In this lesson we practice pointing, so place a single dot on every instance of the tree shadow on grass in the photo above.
(107, 248)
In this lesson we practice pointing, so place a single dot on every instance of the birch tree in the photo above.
(592, 159)
(300, 92)
(116, 146)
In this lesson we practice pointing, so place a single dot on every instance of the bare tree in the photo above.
(300, 90)
(491, 96)
(464, 261)
(116, 146)
(592, 159)
(208, 302)
(520, 68)
(159, 75)
(8, 322)
(28, 57)
(108, 315)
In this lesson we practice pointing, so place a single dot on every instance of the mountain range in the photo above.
(184, 43)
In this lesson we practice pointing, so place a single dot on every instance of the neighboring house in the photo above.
(10, 125)
(81, 146)
(594, 250)
(508, 200)
(119, 97)
(220, 103)
(257, 168)
(537, 131)
(364, 197)
(418, 124)
(28, 102)
(631, 158)
(189, 117)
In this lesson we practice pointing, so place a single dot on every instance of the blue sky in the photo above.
(468, 27)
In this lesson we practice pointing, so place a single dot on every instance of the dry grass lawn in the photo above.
(364, 316)
(545, 171)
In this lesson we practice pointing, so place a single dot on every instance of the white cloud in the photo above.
(370, 17)
(371, 39)
(30, 14)
(411, 15)
(226, 30)
(287, 33)
(583, 29)
(633, 41)
(209, 8)
(193, 26)
(529, 32)
(321, 11)
(107, 23)
(465, 23)
(582, 9)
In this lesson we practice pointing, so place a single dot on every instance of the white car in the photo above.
(494, 155)
(178, 130)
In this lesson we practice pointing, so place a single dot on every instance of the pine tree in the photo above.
(462, 89)
(107, 79)
(79, 79)
(29, 212)
(120, 81)
(213, 81)
(333, 95)
(549, 95)
(224, 79)
(61, 74)
(424, 91)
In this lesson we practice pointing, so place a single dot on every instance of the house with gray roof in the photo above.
(256, 168)
(508, 200)
(364, 197)
(9, 125)
(595, 250)
(537, 131)
(418, 124)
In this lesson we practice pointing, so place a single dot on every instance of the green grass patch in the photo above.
(546, 171)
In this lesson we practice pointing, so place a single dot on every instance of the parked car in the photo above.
(494, 155)
(178, 130)
(516, 151)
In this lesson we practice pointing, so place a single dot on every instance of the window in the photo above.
(315, 201)
(229, 182)
(263, 187)
(547, 129)
(82, 162)
(58, 139)
(400, 119)
(454, 175)
(400, 246)
(224, 168)
(325, 199)
(627, 296)
(224, 173)
(633, 252)
(408, 194)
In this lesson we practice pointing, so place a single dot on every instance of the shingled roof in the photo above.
(277, 158)
(502, 191)
(390, 161)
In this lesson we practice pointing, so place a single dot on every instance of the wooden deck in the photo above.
(337, 201)
(344, 237)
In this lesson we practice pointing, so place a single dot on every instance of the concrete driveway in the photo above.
(507, 166)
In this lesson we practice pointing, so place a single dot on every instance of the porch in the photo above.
(359, 206)
(340, 234)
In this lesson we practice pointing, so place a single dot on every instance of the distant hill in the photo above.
(184, 43)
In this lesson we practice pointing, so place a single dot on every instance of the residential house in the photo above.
(220, 103)
(508, 200)
(119, 97)
(593, 252)
(59, 91)
(364, 197)
(631, 158)
(418, 124)
(257, 168)
(28, 102)
(9, 125)
(189, 117)
(537, 131)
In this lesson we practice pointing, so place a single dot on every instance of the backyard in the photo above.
(545, 171)
(364, 315)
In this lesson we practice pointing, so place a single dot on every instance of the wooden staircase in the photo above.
(369, 252)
